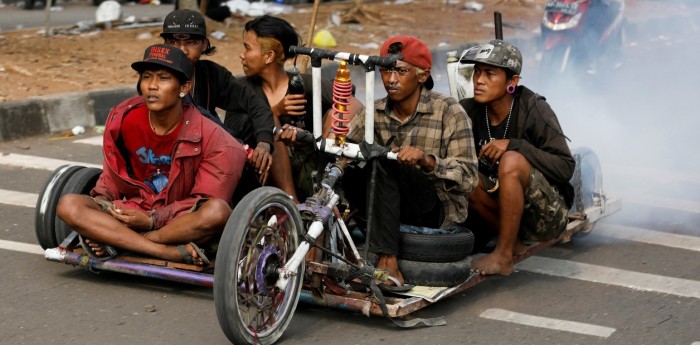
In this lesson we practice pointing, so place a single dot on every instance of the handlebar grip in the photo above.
(303, 136)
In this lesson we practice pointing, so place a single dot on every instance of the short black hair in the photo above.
(277, 28)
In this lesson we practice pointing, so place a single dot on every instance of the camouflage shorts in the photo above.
(545, 213)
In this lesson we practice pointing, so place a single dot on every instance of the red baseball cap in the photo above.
(414, 51)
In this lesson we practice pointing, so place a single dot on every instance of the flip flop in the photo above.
(399, 287)
(111, 252)
(188, 257)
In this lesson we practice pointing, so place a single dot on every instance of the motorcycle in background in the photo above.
(580, 37)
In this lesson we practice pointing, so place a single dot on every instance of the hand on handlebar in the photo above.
(409, 155)
(293, 136)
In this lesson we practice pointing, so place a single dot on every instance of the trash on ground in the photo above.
(219, 35)
(78, 130)
(474, 6)
(324, 39)
(108, 11)
(256, 9)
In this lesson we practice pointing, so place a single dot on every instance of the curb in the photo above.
(56, 113)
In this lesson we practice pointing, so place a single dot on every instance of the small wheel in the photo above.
(81, 182)
(45, 211)
(261, 235)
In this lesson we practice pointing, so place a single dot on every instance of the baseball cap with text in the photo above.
(184, 22)
(162, 55)
(414, 51)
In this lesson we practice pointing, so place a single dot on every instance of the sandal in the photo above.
(399, 287)
(111, 252)
(188, 257)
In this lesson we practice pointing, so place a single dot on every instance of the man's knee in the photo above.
(213, 214)
(513, 163)
(69, 206)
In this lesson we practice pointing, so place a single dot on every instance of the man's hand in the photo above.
(287, 134)
(409, 155)
(262, 161)
(493, 151)
(135, 220)
(291, 105)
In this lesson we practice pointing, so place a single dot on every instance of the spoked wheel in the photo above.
(45, 211)
(260, 236)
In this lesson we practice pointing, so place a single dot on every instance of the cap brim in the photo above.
(141, 66)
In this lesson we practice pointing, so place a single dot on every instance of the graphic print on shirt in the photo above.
(157, 168)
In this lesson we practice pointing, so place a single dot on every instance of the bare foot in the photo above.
(182, 253)
(97, 248)
(390, 264)
(493, 263)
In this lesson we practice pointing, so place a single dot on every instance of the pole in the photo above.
(498, 25)
(48, 17)
(310, 36)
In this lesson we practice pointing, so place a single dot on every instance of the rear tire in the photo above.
(81, 182)
(250, 252)
(45, 210)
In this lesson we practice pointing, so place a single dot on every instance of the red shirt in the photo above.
(150, 154)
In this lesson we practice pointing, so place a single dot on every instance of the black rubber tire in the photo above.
(45, 210)
(81, 182)
(435, 273)
(237, 254)
(436, 248)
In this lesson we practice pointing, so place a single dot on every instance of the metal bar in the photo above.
(137, 269)
(498, 25)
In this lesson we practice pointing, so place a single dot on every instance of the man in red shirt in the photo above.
(168, 174)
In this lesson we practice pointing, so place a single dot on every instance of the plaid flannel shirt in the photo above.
(439, 127)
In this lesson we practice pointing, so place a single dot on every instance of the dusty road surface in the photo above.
(32, 64)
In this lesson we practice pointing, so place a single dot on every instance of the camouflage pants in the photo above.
(545, 214)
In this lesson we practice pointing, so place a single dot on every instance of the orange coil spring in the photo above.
(342, 91)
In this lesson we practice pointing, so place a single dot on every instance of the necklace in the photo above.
(488, 123)
(153, 127)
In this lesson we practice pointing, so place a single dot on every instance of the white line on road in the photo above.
(96, 140)
(545, 322)
(21, 247)
(649, 236)
(35, 162)
(10, 197)
(611, 276)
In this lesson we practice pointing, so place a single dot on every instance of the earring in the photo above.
(510, 88)
(182, 94)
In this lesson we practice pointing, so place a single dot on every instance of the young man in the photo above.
(266, 42)
(213, 86)
(524, 162)
(436, 168)
(168, 173)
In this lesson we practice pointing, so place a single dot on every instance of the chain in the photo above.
(488, 123)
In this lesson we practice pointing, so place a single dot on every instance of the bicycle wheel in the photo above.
(260, 236)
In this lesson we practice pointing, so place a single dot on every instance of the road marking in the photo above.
(611, 276)
(96, 140)
(545, 322)
(10, 197)
(662, 202)
(648, 236)
(21, 247)
(35, 162)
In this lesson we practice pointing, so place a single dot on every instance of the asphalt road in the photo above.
(634, 280)
(68, 14)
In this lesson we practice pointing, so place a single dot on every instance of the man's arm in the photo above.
(456, 163)
(544, 145)
(216, 177)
